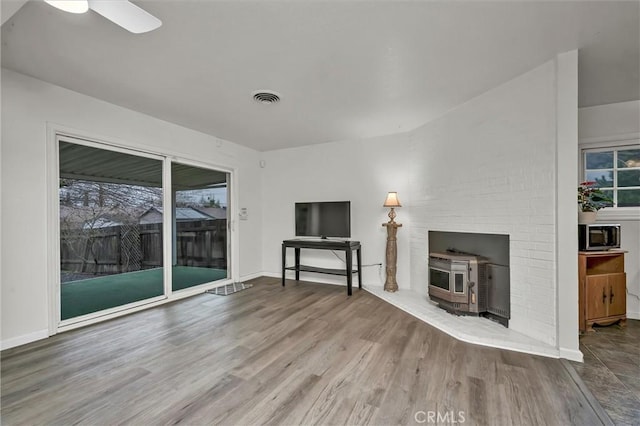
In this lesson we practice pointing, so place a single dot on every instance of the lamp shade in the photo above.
(392, 200)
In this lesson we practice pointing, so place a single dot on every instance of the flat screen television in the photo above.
(323, 219)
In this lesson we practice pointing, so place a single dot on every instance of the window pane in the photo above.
(628, 178)
(200, 228)
(439, 278)
(628, 197)
(107, 257)
(608, 193)
(459, 283)
(629, 158)
(599, 160)
(604, 178)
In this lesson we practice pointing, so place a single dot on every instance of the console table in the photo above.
(347, 246)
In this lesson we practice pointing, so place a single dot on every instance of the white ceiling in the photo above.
(345, 69)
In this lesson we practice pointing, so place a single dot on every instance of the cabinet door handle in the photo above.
(604, 296)
(610, 294)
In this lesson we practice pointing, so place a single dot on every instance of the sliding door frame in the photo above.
(56, 133)
(232, 271)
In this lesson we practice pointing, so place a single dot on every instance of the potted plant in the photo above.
(590, 199)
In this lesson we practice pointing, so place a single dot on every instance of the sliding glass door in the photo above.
(200, 210)
(120, 212)
(108, 257)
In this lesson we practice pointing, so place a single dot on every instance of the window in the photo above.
(616, 169)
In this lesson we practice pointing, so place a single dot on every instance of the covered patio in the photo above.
(86, 296)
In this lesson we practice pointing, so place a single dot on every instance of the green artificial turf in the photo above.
(95, 294)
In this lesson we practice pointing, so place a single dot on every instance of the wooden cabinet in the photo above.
(602, 291)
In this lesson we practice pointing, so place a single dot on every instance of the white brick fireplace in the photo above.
(490, 167)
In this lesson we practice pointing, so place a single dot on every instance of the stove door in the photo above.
(448, 282)
(498, 293)
(458, 283)
(439, 278)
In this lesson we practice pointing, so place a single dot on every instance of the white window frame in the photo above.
(609, 144)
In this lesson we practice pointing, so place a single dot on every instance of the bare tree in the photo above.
(88, 208)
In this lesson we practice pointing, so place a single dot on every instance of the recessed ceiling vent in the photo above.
(266, 96)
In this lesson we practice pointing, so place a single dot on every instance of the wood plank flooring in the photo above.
(305, 354)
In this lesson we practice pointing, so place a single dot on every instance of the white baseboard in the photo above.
(251, 276)
(571, 354)
(271, 274)
(633, 315)
(24, 339)
(313, 278)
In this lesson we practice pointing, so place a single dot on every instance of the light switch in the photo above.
(244, 213)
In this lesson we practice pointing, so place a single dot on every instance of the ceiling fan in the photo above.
(122, 12)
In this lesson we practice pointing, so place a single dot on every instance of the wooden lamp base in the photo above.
(390, 284)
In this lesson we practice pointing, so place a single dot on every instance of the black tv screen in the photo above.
(323, 219)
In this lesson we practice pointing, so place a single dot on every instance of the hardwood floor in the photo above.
(304, 354)
(611, 370)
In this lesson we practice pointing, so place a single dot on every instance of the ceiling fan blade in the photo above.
(126, 14)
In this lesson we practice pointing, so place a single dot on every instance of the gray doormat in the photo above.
(228, 289)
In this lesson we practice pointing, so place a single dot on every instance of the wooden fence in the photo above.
(126, 248)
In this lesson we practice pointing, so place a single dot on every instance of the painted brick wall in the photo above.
(489, 166)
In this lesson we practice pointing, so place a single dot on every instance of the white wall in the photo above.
(362, 172)
(27, 106)
(610, 123)
(487, 166)
(630, 230)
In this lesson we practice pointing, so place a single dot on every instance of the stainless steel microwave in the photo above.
(598, 236)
